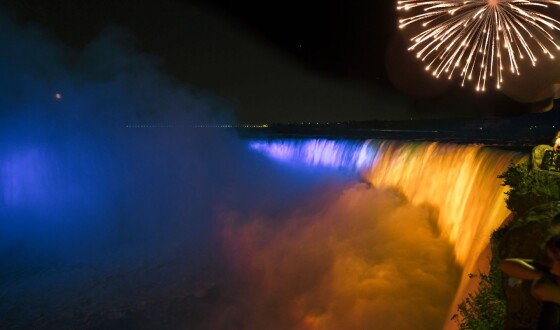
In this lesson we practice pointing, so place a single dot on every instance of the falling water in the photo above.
(459, 181)
(318, 254)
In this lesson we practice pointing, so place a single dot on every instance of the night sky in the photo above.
(280, 61)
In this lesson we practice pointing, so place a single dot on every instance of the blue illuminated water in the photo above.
(341, 154)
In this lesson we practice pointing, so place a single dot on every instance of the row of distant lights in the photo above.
(197, 126)
(58, 96)
(225, 126)
(231, 126)
(309, 123)
(150, 126)
(535, 127)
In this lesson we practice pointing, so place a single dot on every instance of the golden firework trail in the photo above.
(479, 35)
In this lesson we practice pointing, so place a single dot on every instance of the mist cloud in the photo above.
(109, 196)
(368, 259)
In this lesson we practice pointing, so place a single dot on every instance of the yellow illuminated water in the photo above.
(460, 182)
(372, 255)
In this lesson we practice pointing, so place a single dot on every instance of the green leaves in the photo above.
(485, 309)
(529, 188)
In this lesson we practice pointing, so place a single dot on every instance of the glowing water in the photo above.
(330, 253)
(459, 181)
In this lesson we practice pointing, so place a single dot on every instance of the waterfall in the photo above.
(307, 249)
(459, 181)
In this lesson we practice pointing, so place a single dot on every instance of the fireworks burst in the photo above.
(469, 35)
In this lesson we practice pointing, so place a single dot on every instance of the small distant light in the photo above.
(58, 96)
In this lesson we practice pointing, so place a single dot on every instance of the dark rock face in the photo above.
(524, 238)
(537, 155)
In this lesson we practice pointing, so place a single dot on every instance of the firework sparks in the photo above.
(479, 37)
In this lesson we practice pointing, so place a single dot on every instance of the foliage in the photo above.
(485, 309)
(529, 188)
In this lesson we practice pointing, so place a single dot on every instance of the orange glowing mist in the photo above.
(367, 260)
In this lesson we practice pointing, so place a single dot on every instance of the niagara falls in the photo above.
(189, 164)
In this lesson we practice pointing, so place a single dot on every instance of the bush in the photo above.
(529, 188)
(485, 309)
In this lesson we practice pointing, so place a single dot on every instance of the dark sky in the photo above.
(277, 61)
